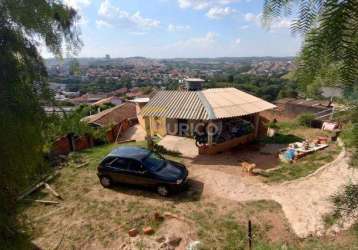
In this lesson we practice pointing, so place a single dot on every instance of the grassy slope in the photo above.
(102, 215)
(290, 132)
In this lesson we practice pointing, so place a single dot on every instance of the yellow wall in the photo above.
(141, 121)
(158, 126)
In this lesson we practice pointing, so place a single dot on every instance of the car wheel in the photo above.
(163, 190)
(105, 181)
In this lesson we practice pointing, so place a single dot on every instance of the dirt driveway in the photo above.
(304, 201)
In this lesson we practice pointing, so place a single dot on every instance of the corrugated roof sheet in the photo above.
(204, 105)
(176, 105)
(231, 102)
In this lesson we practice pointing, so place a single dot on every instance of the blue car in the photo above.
(139, 166)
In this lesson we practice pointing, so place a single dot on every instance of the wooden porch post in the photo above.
(257, 123)
(210, 134)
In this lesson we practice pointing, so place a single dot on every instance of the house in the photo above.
(87, 98)
(291, 108)
(218, 118)
(116, 119)
(112, 99)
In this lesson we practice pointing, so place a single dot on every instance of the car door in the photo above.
(139, 175)
(120, 170)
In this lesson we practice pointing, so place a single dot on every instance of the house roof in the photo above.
(194, 80)
(231, 102)
(113, 115)
(207, 104)
(304, 102)
(176, 104)
(106, 100)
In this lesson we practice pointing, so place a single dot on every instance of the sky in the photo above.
(180, 28)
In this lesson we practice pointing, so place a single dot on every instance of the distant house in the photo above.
(225, 116)
(116, 119)
(112, 99)
(120, 91)
(87, 98)
(290, 108)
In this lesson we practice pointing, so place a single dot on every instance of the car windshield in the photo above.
(154, 162)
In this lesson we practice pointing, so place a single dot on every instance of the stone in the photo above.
(133, 232)
(148, 230)
(174, 240)
(160, 239)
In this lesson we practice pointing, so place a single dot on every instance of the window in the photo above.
(120, 163)
(135, 166)
(154, 162)
(108, 160)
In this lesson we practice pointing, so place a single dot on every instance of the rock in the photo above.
(133, 232)
(148, 230)
(158, 217)
(160, 239)
(174, 240)
(170, 215)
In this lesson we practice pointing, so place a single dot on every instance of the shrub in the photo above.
(346, 203)
(305, 119)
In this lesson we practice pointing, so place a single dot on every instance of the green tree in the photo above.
(329, 53)
(330, 28)
(23, 88)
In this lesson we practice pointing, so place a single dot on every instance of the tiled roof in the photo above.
(204, 105)
(113, 115)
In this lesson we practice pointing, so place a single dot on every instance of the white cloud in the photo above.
(244, 27)
(219, 12)
(281, 23)
(77, 4)
(277, 23)
(178, 28)
(250, 17)
(102, 24)
(237, 41)
(116, 16)
(203, 4)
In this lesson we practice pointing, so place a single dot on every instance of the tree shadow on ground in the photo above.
(234, 157)
(18, 241)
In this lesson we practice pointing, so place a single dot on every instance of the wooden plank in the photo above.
(37, 186)
(53, 191)
(43, 201)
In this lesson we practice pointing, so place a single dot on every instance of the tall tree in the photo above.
(330, 29)
(23, 86)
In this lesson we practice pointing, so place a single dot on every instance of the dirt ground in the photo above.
(304, 201)
(91, 217)
(214, 210)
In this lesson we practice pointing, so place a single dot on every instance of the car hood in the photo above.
(171, 172)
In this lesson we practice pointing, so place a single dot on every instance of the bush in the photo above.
(346, 203)
(306, 119)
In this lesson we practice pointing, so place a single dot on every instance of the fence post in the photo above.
(249, 234)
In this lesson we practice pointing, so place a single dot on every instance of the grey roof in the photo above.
(207, 104)
(176, 104)
(130, 152)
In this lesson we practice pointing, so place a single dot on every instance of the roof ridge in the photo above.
(206, 104)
